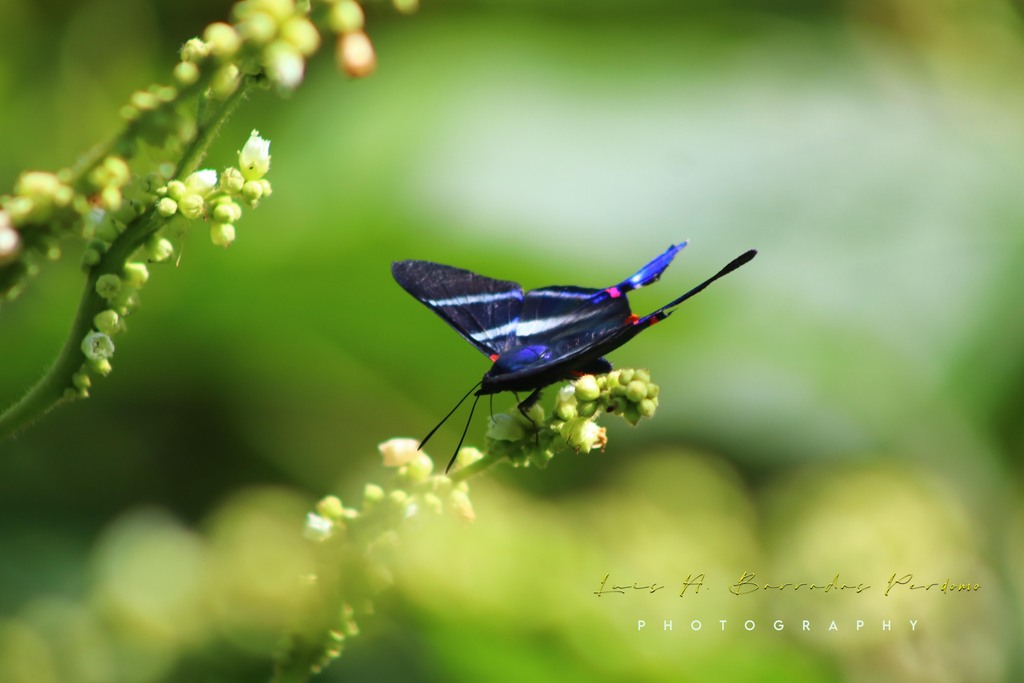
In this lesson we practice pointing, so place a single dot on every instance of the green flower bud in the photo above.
(643, 374)
(110, 198)
(653, 390)
(225, 81)
(136, 274)
(186, 73)
(176, 190)
(222, 39)
(587, 389)
(398, 498)
(143, 101)
(108, 286)
(406, 6)
(636, 391)
(166, 207)
(419, 468)
(346, 16)
(90, 257)
(192, 206)
(81, 381)
(285, 64)
(265, 185)
(194, 50)
(159, 249)
(330, 507)
(504, 427)
(258, 27)
(566, 410)
(232, 180)
(301, 34)
(625, 376)
(612, 379)
(97, 347)
(647, 407)
(585, 434)
(222, 234)
(372, 494)
(587, 409)
(252, 192)
(226, 211)
(108, 322)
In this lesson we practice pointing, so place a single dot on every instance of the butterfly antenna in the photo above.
(438, 426)
(463, 437)
(740, 260)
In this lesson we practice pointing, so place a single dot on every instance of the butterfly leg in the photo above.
(524, 410)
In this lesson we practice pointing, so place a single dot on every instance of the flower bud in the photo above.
(397, 452)
(192, 206)
(232, 180)
(346, 17)
(355, 54)
(201, 182)
(258, 27)
(108, 322)
(222, 234)
(108, 286)
(254, 159)
(159, 249)
(301, 34)
(420, 467)
(406, 6)
(176, 190)
(136, 274)
(636, 391)
(166, 207)
(372, 494)
(504, 427)
(225, 81)
(186, 73)
(222, 39)
(194, 50)
(330, 507)
(285, 64)
(587, 389)
(10, 240)
(97, 347)
(252, 191)
(226, 211)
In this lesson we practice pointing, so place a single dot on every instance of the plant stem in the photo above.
(54, 387)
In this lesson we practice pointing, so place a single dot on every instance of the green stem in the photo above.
(53, 389)
(474, 469)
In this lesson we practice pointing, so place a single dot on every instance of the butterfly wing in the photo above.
(560, 322)
(483, 310)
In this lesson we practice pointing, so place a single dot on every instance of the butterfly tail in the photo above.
(666, 310)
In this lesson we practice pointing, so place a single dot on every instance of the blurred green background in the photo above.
(849, 402)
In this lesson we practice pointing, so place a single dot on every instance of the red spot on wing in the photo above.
(494, 357)
(632, 319)
(614, 292)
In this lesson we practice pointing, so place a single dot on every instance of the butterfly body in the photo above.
(542, 336)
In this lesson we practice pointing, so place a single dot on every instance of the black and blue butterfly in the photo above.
(542, 336)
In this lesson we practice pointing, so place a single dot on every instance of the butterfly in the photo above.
(537, 338)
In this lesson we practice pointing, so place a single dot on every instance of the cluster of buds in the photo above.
(44, 206)
(205, 195)
(533, 438)
(357, 544)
